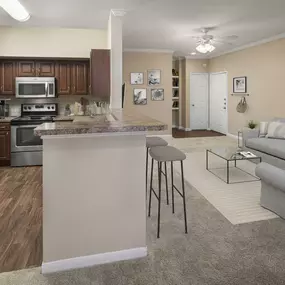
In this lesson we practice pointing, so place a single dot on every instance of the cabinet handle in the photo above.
(7, 133)
(89, 89)
(39, 71)
(1, 88)
(2, 127)
(74, 88)
(68, 89)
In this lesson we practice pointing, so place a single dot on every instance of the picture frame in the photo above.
(140, 96)
(240, 84)
(154, 77)
(157, 94)
(137, 78)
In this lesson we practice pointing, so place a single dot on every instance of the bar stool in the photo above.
(154, 142)
(166, 154)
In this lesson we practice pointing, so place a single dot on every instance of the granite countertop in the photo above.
(6, 119)
(117, 121)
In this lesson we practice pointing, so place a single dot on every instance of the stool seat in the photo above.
(166, 153)
(155, 141)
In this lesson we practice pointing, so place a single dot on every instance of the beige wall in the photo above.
(265, 70)
(190, 65)
(93, 197)
(141, 62)
(47, 42)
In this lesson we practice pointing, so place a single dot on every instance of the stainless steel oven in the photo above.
(35, 87)
(26, 148)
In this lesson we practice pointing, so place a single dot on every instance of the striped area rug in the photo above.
(239, 203)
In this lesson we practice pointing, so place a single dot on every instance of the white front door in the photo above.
(199, 96)
(218, 102)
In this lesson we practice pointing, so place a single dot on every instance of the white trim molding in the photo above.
(232, 136)
(149, 50)
(91, 260)
(253, 44)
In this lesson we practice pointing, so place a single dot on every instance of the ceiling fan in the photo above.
(205, 41)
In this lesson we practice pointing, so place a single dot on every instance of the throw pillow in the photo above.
(276, 130)
(263, 129)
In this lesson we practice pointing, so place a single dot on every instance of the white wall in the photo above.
(47, 42)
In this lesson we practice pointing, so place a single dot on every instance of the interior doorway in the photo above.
(199, 97)
(218, 85)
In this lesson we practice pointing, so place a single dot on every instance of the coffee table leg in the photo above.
(207, 156)
(235, 163)
(228, 172)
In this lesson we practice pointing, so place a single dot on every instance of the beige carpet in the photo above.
(239, 203)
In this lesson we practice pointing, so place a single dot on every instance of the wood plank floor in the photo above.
(194, 134)
(20, 218)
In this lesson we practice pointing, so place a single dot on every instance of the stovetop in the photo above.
(36, 114)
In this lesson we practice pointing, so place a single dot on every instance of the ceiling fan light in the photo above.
(15, 9)
(201, 48)
(211, 48)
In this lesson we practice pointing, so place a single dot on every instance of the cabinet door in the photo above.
(7, 78)
(79, 79)
(4, 145)
(45, 69)
(100, 73)
(63, 76)
(26, 68)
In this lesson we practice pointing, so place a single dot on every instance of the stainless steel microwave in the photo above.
(35, 87)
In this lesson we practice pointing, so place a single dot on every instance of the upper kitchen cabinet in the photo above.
(36, 68)
(72, 78)
(7, 78)
(45, 68)
(100, 73)
(80, 78)
(26, 68)
(63, 78)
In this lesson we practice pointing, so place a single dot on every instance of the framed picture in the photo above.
(240, 84)
(136, 78)
(140, 96)
(157, 94)
(153, 77)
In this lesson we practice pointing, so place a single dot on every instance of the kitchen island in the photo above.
(94, 189)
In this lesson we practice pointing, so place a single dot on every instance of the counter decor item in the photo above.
(67, 110)
(140, 97)
(136, 78)
(157, 94)
(154, 77)
(242, 105)
(240, 84)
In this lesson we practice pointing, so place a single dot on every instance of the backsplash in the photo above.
(15, 104)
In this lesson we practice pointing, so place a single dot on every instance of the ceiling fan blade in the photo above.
(230, 38)
(222, 42)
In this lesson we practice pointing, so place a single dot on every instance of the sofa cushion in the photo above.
(276, 130)
(273, 147)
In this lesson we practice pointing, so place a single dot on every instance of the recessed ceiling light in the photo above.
(193, 53)
(15, 9)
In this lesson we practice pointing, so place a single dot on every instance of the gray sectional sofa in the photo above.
(271, 150)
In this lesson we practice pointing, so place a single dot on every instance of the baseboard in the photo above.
(91, 260)
(232, 136)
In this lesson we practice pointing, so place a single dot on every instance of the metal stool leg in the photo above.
(146, 169)
(184, 198)
(166, 183)
(172, 187)
(150, 188)
(159, 197)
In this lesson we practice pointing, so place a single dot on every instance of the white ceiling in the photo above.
(164, 24)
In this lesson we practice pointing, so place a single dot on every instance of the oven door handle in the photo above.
(46, 89)
(26, 126)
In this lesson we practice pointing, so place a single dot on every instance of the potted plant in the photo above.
(252, 125)
(250, 131)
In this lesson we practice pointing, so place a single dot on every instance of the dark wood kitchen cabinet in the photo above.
(80, 78)
(100, 73)
(63, 78)
(72, 78)
(36, 68)
(45, 68)
(7, 78)
(5, 144)
(26, 68)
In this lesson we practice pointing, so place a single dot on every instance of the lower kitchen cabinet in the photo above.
(5, 140)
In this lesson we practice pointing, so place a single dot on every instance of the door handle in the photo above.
(225, 108)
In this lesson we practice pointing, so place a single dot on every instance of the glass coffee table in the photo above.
(231, 155)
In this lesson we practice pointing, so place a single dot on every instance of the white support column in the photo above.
(115, 44)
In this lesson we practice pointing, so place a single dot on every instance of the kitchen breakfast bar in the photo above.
(94, 207)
